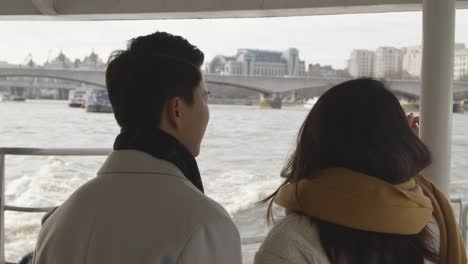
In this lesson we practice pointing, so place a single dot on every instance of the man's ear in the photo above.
(173, 112)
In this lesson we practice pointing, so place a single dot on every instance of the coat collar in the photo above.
(137, 162)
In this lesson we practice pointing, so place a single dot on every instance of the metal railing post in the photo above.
(32, 152)
(2, 211)
(102, 152)
(463, 223)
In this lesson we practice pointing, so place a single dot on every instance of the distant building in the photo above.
(384, 62)
(318, 70)
(412, 61)
(219, 65)
(361, 63)
(29, 61)
(60, 62)
(459, 46)
(388, 62)
(258, 63)
(91, 62)
(460, 71)
(5, 64)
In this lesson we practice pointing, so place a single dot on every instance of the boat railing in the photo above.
(459, 200)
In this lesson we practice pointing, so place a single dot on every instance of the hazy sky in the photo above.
(320, 39)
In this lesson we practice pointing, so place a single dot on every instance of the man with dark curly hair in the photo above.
(147, 203)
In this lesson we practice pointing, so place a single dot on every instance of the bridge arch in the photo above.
(320, 90)
(54, 77)
(246, 87)
(405, 95)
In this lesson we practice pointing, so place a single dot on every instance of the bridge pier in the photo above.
(459, 107)
(270, 101)
(62, 94)
(293, 99)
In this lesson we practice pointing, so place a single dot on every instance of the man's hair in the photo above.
(154, 68)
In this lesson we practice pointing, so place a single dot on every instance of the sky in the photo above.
(327, 40)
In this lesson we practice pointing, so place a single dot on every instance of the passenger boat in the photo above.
(310, 102)
(97, 101)
(77, 98)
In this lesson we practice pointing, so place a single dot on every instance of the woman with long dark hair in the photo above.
(352, 189)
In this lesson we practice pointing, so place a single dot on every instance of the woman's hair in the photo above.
(360, 125)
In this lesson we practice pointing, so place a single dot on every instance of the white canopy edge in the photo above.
(189, 9)
(45, 7)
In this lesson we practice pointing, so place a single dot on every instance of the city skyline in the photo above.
(327, 40)
(384, 62)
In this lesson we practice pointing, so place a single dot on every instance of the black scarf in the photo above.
(161, 145)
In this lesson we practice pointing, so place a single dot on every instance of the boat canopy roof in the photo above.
(179, 9)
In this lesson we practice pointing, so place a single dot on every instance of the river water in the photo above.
(242, 155)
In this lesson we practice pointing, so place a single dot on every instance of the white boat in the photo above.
(310, 102)
(77, 98)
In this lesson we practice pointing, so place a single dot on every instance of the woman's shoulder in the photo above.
(294, 238)
(295, 225)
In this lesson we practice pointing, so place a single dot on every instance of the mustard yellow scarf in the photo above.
(355, 200)
(452, 247)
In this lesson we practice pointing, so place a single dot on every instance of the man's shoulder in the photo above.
(214, 212)
(198, 206)
(152, 187)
